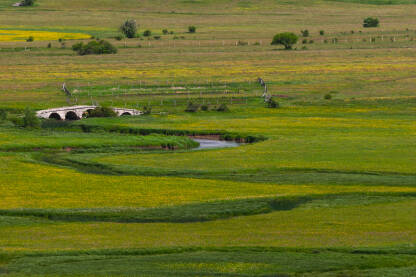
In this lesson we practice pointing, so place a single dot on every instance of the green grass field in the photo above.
(327, 188)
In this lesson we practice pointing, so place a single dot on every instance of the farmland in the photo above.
(325, 184)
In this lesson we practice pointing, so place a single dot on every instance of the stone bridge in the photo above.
(79, 112)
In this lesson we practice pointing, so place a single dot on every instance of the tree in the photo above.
(192, 29)
(147, 33)
(30, 120)
(370, 22)
(285, 39)
(129, 28)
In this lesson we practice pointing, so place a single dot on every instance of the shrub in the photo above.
(304, 41)
(102, 112)
(147, 110)
(30, 120)
(322, 32)
(157, 37)
(30, 39)
(94, 47)
(49, 45)
(129, 28)
(311, 41)
(165, 31)
(223, 108)
(242, 43)
(192, 29)
(192, 108)
(204, 107)
(370, 22)
(119, 37)
(272, 104)
(147, 33)
(285, 39)
(328, 96)
(305, 33)
(27, 2)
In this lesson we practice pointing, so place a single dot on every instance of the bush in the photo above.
(147, 110)
(328, 96)
(272, 104)
(322, 32)
(305, 33)
(304, 41)
(102, 112)
(129, 28)
(223, 108)
(147, 33)
(94, 47)
(27, 2)
(311, 41)
(242, 43)
(192, 29)
(157, 37)
(119, 37)
(205, 108)
(192, 108)
(285, 39)
(370, 22)
(30, 39)
(49, 45)
(165, 31)
(30, 120)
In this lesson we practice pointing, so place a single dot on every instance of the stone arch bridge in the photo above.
(79, 112)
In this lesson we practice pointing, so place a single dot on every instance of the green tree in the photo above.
(129, 28)
(285, 39)
(147, 33)
(370, 22)
(30, 120)
(192, 29)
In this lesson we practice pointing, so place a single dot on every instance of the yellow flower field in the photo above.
(21, 35)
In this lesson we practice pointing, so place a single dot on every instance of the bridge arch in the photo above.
(71, 115)
(125, 114)
(55, 116)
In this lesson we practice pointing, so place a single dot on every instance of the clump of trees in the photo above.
(94, 47)
(286, 39)
(101, 112)
(371, 22)
(129, 28)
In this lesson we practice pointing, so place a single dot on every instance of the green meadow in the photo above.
(323, 185)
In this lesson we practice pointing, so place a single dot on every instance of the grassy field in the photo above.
(328, 188)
